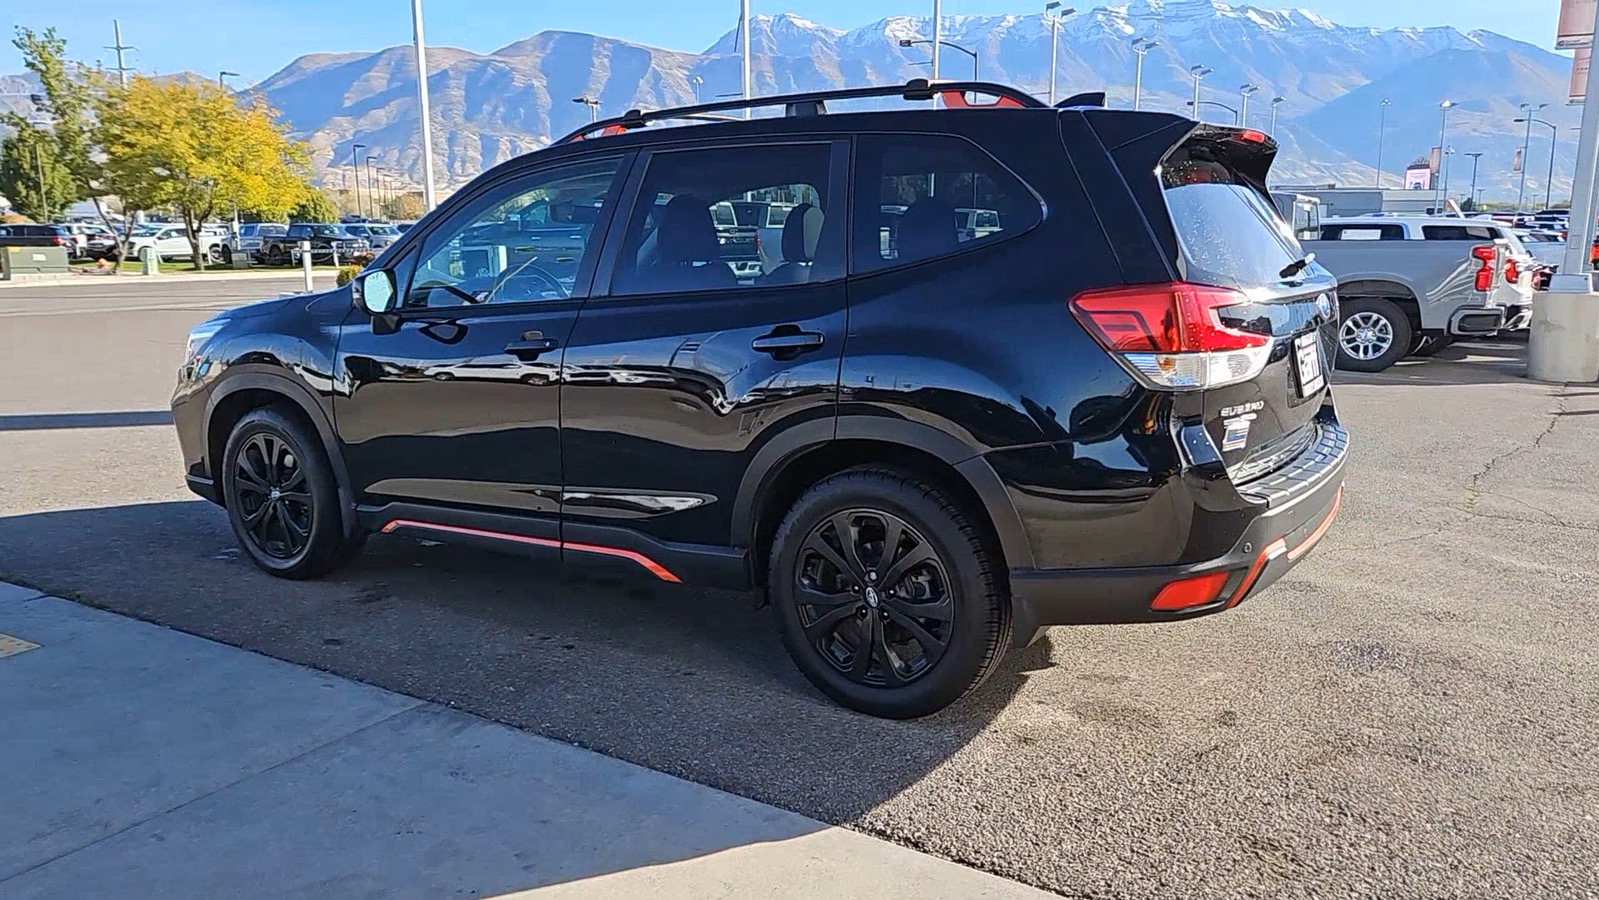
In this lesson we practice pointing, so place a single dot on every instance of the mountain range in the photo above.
(1332, 80)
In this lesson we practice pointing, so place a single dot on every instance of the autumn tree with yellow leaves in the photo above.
(193, 147)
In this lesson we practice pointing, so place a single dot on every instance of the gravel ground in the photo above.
(1410, 713)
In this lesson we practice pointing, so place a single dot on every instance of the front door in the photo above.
(453, 419)
(703, 346)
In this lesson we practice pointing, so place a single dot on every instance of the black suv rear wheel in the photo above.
(885, 594)
(282, 498)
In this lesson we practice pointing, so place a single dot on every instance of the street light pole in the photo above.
(938, 34)
(744, 52)
(371, 197)
(1443, 128)
(1245, 90)
(696, 81)
(1275, 102)
(1216, 104)
(1382, 130)
(1554, 138)
(908, 42)
(1475, 158)
(355, 169)
(592, 104)
(223, 76)
(1199, 72)
(1141, 47)
(1054, 40)
(1528, 110)
(428, 197)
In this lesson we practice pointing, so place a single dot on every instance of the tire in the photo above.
(214, 254)
(225, 254)
(276, 256)
(1377, 331)
(961, 590)
(304, 536)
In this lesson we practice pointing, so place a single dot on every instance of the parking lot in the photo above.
(1407, 714)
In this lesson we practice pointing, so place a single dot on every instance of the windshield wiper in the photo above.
(1297, 266)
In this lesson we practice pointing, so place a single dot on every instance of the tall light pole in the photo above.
(1275, 102)
(428, 198)
(909, 42)
(1529, 111)
(938, 34)
(1448, 152)
(695, 81)
(1199, 73)
(370, 196)
(1554, 137)
(1141, 46)
(1443, 129)
(1054, 40)
(122, 69)
(1382, 131)
(744, 52)
(1244, 90)
(355, 167)
(592, 104)
(1218, 106)
(1475, 158)
(223, 76)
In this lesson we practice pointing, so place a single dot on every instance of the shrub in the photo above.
(14, 219)
(347, 274)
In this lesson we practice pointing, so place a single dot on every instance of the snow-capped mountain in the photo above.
(1331, 80)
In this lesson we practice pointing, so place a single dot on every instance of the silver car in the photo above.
(379, 234)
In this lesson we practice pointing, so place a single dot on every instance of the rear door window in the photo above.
(1457, 233)
(1231, 234)
(920, 197)
(1362, 233)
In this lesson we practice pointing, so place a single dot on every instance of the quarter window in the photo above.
(524, 241)
(722, 219)
(1362, 233)
(921, 197)
(1457, 233)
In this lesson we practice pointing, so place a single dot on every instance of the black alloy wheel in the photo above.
(274, 501)
(282, 497)
(887, 596)
(874, 598)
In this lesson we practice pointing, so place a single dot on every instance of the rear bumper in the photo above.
(1295, 507)
(1477, 320)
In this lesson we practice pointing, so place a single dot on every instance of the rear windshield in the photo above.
(1231, 234)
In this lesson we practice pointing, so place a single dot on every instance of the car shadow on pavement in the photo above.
(53, 421)
(1457, 364)
(690, 682)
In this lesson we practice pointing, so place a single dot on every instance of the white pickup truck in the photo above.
(1411, 285)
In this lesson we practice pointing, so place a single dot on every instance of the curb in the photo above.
(165, 278)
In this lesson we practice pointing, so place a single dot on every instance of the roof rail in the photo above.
(953, 93)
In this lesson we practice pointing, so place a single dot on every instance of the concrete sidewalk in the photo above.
(137, 761)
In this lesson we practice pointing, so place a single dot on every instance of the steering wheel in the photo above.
(516, 273)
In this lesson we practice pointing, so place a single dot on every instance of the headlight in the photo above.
(198, 336)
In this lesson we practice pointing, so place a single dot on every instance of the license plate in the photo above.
(1307, 359)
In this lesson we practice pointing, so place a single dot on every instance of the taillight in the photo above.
(1172, 336)
(1512, 271)
(1484, 254)
(58, 240)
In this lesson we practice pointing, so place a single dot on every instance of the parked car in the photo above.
(922, 453)
(379, 235)
(26, 234)
(85, 234)
(329, 244)
(171, 242)
(249, 238)
(1411, 285)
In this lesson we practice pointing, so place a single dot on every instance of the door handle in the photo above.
(786, 341)
(532, 345)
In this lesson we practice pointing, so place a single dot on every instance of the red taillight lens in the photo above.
(1485, 254)
(58, 240)
(1188, 593)
(1512, 271)
(1253, 136)
(1172, 334)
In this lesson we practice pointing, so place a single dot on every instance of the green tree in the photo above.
(403, 208)
(32, 175)
(315, 206)
(66, 92)
(189, 146)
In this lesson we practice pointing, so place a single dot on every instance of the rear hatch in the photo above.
(1230, 235)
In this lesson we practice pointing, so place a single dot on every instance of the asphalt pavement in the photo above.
(1409, 713)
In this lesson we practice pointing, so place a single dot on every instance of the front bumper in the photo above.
(1296, 506)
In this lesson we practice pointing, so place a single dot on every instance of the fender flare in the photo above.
(289, 389)
(967, 461)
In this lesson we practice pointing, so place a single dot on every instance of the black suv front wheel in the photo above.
(885, 594)
(282, 497)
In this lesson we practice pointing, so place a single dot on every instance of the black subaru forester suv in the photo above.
(1000, 366)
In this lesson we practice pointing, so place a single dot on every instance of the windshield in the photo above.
(324, 231)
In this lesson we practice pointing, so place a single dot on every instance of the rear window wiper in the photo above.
(1297, 266)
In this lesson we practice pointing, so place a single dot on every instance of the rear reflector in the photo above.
(1187, 593)
(1171, 335)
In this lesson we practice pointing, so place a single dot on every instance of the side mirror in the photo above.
(373, 292)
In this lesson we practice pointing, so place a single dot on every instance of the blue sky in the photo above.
(258, 37)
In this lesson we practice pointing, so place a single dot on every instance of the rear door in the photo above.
(1230, 235)
(692, 361)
